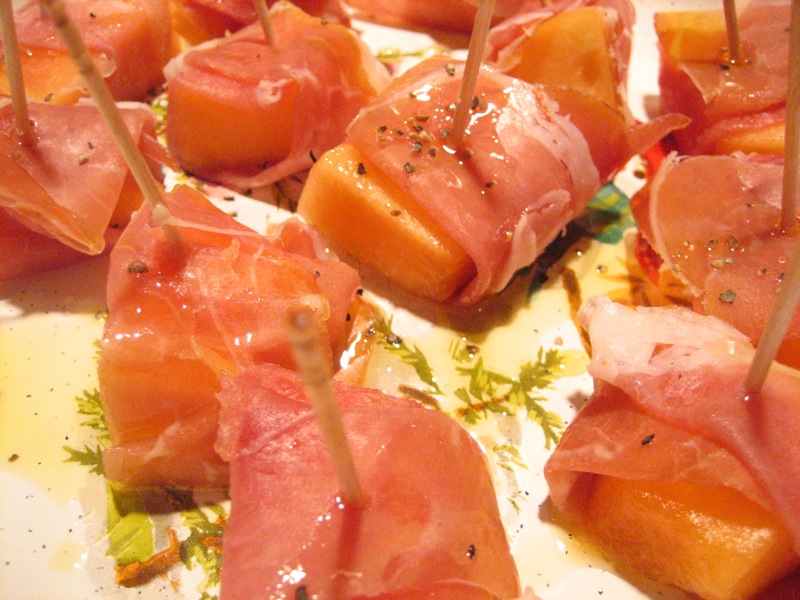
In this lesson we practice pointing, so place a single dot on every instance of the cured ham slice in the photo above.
(198, 21)
(429, 528)
(731, 254)
(582, 44)
(669, 414)
(532, 159)
(129, 40)
(72, 186)
(240, 109)
(180, 317)
(738, 106)
(446, 15)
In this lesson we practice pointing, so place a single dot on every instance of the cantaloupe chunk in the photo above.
(369, 218)
(579, 56)
(214, 123)
(764, 140)
(692, 35)
(709, 540)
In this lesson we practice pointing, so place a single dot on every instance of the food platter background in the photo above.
(54, 510)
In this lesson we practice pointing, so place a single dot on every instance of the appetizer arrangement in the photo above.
(399, 372)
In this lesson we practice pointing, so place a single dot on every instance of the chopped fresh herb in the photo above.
(413, 357)
(432, 151)
(647, 439)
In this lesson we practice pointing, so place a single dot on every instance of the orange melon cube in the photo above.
(205, 130)
(579, 56)
(692, 35)
(368, 218)
(763, 140)
(709, 540)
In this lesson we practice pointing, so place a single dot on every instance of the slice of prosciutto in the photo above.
(181, 316)
(678, 375)
(532, 158)
(429, 528)
(246, 114)
(73, 186)
(731, 253)
(130, 41)
(726, 101)
(444, 15)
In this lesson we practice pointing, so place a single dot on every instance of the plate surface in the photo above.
(55, 537)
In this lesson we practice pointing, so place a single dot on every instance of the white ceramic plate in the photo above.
(54, 512)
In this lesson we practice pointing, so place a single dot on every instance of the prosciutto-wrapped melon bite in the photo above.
(130, 41)
(246, 113)
(69, 194)
(455, 224)
(734, 104)
(181, 316)
(429, 526)
(584, 45)
(671, 469)
(732, 253)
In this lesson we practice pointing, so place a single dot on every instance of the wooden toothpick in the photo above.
(477, 42)
(110, 112)
(313, 367)
(789, 294)
(19, 101)
(732, 27)
(266, 21)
